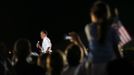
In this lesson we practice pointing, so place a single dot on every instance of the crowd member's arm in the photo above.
(117, 51)
(76, 40)
(87, 32)
(116, 41)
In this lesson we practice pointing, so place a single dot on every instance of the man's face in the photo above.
(42, 35)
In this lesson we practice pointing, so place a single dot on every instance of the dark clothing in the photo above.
(120, 67)
(24, 68)
(102, 52)
(5, 66)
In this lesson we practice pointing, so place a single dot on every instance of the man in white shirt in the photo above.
(46, 43)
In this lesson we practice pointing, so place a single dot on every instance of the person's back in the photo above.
(5, 64)
(22, 67)
(103, 52)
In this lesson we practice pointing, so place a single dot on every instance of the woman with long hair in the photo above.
(102, 38)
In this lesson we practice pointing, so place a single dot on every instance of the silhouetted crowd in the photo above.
(99, 59)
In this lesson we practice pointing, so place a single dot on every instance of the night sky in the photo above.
(25, 19)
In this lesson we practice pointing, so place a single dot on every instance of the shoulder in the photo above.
(88, 26)
(47, 38)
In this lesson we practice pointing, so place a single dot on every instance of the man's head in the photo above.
(43, 34)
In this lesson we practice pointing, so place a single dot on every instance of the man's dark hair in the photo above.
(44, 30)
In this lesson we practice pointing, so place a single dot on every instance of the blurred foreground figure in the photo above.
(5, 63)
(103, 38)
(77, 56)
(22, 66)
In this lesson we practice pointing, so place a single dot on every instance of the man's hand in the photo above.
(38, 45)
(47, 51)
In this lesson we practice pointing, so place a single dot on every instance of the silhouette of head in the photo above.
(74, 55)
(22, 48)
(100, 11)
(55, 62)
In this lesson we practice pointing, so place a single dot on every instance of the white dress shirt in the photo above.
(45, 44)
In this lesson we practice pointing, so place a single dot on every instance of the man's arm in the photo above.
(39, 47)
(47, 51)
(48, 46)
(116, 40)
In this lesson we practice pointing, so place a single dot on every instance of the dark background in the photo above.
(25, 19)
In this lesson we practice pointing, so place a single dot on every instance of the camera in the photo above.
(67, 37)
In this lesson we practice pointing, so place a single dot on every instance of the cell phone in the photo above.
(67, 37)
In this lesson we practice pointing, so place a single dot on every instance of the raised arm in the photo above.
(76, 40)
